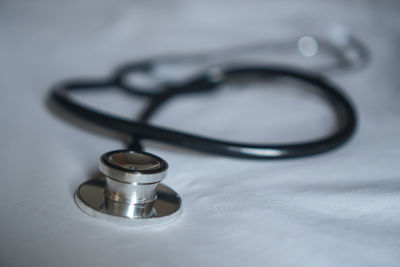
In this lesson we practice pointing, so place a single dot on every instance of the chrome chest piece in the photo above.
(131, 193)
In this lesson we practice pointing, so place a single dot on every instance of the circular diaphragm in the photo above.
(130, 194)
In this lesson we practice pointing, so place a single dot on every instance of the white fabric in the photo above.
(337, 209)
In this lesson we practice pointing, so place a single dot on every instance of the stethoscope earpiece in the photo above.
(131, 193)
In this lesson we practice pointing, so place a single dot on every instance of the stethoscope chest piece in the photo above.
(131, 193)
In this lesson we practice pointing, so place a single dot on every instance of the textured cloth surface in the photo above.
(337, 209)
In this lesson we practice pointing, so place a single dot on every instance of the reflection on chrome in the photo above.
(308, 46)
(129, 210)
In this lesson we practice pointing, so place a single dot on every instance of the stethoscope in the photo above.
(131, 193)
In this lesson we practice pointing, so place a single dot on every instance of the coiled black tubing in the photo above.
(142, 129)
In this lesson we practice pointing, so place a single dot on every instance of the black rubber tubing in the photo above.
(142, 130)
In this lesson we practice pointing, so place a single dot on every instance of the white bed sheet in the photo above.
(337, 209)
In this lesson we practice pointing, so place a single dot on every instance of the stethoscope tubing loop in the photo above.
(143, 130)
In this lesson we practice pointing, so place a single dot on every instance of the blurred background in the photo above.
(340, 208)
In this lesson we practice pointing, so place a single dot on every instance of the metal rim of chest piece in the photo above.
(131, 193)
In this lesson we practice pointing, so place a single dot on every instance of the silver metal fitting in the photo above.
(131, 192)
